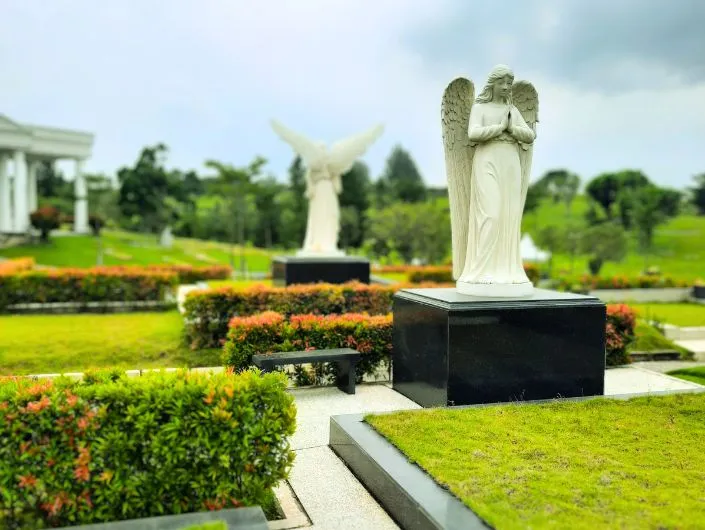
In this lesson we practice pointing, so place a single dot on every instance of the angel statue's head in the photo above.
(498, 86)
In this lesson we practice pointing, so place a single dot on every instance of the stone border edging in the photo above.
(89, 307)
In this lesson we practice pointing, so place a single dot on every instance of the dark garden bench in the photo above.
(346, 359)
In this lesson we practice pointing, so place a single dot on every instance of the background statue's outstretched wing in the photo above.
(526, 100)
(458, 99)
(306, 148)
(344, 153)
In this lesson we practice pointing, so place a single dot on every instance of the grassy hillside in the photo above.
(123, 248)
(678, 250)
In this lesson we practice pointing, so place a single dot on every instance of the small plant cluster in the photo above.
(271, 332)
(12, 266)
(45, 219)
(195, 273)
(444, 273)
(98, 284)
(208, 311)
(586, 282)
(111, 448)
(619, 333)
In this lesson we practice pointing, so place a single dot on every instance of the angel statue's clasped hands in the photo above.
(488, 144)
(324, 169)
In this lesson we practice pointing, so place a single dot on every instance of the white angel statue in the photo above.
(324, 168)
(488, 144)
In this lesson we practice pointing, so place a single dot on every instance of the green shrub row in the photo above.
(116, 448)
(271, 332)
(99, 284)
(208, 311)
(586, 282)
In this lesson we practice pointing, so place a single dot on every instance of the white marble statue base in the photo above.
(319, 254)
(496, 290)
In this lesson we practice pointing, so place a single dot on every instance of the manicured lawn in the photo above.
(696, 374)
(677, 246)
(593, 464)
(676, 314)
(74, 343)
(124, 248)
(648, 338)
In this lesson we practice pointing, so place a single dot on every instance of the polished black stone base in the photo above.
(289, 270)
(454, 349)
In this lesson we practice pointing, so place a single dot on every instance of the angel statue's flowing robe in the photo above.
(497, 196)
(323, 222)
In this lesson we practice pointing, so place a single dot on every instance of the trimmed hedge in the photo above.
(194, 273)
(112, 448)
(271, 332)
(444, 273)
(12, 266)
(98, 284)
(208, 311)
(586, 282)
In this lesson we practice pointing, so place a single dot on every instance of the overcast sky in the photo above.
(621, 82)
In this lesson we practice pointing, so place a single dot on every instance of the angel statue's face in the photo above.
(502, 87)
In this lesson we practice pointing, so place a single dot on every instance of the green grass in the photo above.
(684, 314)
(677, 247)
(75, 343)
(649, 339)
(695, 374)
(124, 248)
(595, 464)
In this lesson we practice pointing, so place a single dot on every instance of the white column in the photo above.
(80, 212)
(32, 185)
(5, 218)
(21, 221)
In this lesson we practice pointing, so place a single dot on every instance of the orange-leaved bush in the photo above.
(619, 333)
(270, 332)
(115, 448)
(12, 266)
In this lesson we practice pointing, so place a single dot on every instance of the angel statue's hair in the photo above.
(497, 73)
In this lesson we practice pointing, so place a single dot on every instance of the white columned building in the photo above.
(22, 148)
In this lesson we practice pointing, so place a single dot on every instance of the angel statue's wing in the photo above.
(526, 100)
(344, 153)
(309, 151)
(457, 102)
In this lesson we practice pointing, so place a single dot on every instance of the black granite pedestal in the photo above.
(289, 270)
(454, 349)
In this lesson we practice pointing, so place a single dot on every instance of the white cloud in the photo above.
(205, 78)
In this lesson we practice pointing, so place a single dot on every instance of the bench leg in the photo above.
(346, 376)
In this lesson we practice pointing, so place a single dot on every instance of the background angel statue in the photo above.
(324, 168)
(488, 144)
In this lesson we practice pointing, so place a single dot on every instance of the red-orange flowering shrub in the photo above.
(12, 266)
(587, 282)
(619, 333)
(111, 448)
(97, 284)
(208, 311)
(269, 332)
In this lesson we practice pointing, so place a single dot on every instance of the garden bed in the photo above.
(585, 463)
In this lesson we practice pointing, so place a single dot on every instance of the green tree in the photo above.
(698, 193)
(402, 177)
(268, 228)
(559, 184)
(603, 242)
(605, 190)
(651, 207)
(236, 185)
(355, 195)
